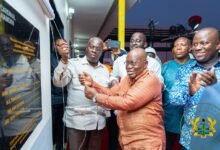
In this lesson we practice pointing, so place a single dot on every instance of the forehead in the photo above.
(137, 36)
(204, 35)
(132, 57)
(181, 40)
(95, 42)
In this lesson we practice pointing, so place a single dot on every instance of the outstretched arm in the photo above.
(86, 80)
(62, 76)
(134, 98)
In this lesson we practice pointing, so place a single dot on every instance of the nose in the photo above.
(178, 47)
(135, 42)
(94, 49)
(197, 46)
(129, 65)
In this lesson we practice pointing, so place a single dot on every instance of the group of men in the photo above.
(145, 119)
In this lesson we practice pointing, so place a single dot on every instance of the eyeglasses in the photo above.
(133, 63)
(95, 48)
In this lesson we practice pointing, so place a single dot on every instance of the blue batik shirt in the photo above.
(180, 96)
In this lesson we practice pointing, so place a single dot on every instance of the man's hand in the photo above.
(86, 79)
(113, 83)
(204, 79)
(209, 78)
(90, 92)
(63, 50)
(194, 83)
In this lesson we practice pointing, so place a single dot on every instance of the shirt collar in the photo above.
(195, 63)
(85, 62)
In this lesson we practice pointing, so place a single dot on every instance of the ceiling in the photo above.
(94, 18)
(173, 12)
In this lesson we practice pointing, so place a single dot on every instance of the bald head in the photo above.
(138, 40)
(181, 49)
(205, 46)
(138, 52)
(96, 39)
(209, 32)
(94, 50)
(136, 62)
(141, 34)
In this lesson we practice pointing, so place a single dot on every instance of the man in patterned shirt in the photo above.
(194, 77)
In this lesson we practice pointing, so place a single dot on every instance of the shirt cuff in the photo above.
(113, 78)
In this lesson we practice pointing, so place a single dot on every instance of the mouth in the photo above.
(199, 54)
(130, 72)
(93, 55)
(135, 46)
(179, 53)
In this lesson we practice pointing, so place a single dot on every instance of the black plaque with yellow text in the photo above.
(20, 79)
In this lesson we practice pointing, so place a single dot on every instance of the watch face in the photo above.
(94, 98)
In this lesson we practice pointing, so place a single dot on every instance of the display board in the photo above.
(20, 79)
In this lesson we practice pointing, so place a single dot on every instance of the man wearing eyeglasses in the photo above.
(84, 119)
(138, 101)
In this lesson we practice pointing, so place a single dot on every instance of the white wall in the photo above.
(41, 138)
(62, 8)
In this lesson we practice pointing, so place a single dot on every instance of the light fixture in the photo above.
(75, 45)
(71, 11)
(47, 8)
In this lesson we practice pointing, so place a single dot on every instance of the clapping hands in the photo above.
(197, 80)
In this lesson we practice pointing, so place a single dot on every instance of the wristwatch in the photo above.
(94, 98)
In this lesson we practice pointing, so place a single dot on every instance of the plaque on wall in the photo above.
(20, 79)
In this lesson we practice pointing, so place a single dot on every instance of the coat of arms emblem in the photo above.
(203, 127)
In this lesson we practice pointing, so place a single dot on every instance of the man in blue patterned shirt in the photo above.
(194, 77)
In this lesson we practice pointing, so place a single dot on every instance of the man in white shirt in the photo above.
(84, 119)
(138, 40)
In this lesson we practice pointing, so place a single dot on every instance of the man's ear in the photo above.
(145, 44)
(190, 49)
(218, 46)
(146, 63)
(86, 50)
